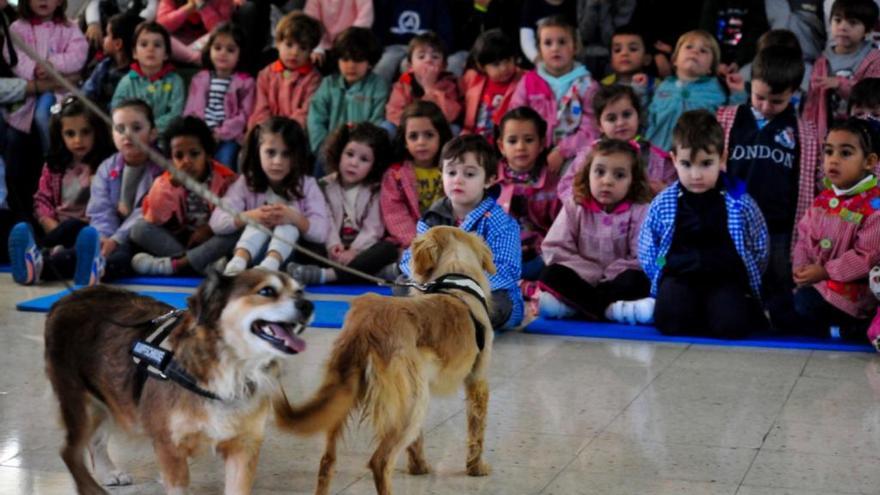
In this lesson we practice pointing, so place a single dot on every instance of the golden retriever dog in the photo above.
(229, 344)
(394, 352)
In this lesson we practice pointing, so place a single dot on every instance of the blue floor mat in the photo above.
(188, 282)
(328, 314)
(5, 268)
(626, 332)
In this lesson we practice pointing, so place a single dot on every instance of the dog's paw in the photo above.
(117, 478)
(419, 468)
(479, 469)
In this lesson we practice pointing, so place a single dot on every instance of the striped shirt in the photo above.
(215, 112)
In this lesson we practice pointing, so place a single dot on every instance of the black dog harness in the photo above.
(457, 281)
(154, 360)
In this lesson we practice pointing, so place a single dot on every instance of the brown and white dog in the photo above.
(394, 352)
(231, 342)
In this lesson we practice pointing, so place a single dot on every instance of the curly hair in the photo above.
(362, 132)
(639, 190)
(190, 126)
(294, 138)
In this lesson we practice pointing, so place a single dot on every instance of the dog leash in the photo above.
(154, 360)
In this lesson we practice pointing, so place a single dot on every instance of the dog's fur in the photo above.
(394, 352)
(87, 360)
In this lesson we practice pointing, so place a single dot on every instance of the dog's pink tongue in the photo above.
(291, 340)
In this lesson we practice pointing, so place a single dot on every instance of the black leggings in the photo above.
(816, 316)
(566, 285)
(716, 308)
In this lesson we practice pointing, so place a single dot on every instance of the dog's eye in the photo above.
(268, 292)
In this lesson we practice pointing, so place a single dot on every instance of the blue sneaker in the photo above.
(27, 262)
(89, 262)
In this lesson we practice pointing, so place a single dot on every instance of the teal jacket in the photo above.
(673, 98)
(164, 92)
(335, 104)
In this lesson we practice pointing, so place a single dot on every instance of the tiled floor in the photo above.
(566, 417)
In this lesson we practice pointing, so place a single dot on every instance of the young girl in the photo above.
(619, 114)
(839, 237)
(693, 86)
(152, 79)
(528, 188)
(276, 191)
(222, 95)
(591, 250)
(80, 141)
(560, 90)
(190, 21)
(44, 27)
(411, 186)
(357, 156)
(174, 230)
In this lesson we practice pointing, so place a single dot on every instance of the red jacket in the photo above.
(165, 201)
(284, 92)
(472, 85)
(445, 95)
(399, 203)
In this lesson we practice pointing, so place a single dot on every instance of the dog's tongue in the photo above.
(291, 340)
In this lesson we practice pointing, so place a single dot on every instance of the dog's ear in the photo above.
(425, 252)
(210, 298)
(484, 253)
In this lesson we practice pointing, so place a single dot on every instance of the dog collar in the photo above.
(157, 361)
(456, 281)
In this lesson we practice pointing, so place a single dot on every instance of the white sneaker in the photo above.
(643, 310)
(639, 312)
(874, 281)
(235, 266)
(147, 264)
(550, 307)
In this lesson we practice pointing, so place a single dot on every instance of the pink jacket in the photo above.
(445, 95)
(369, 221)
(62, 44)
(597, 245)
(338, 15)
(237, 105)
(543, 204)
(165, 201)
(473, 83)
(399, 203)
(173, 16)
(659, 169)
(816, 107)
(48, 197)
(533, 91)
(842, 233)
(284, 92)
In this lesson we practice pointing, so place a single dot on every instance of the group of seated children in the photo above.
(704, 203)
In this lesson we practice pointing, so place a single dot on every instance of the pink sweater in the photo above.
(238, 104)
(62, 44)
(188, 26)
(445, 95)
(284, 92)
(338, 15)
(597, 245)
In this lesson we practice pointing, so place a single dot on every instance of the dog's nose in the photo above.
(304, 306)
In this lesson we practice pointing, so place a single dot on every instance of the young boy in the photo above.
(117, 53)
(703, 243)
(285, 87)
(353, 95)
(397, 22)
(469, 165)
(629, 61)
(488, 88)
(849, 59)
(426, 79)
(776, 154)
(864, 101)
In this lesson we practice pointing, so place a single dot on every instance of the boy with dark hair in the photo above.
(703, 243)
(849, 58)
(399, 21)
(469, 167)
(776, 154)
(864, 101)
(355, 94)
(629, 62)
(426, 79)
(117, 51)
(285, 87)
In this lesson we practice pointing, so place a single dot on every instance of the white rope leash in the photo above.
(181, 177)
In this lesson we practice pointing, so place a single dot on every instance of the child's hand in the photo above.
(287, 215)
(555, 161)
(725, 69)
(826, 82)
(94, 34)
(263, 215)
(640, 79)
(346, 256)
(334, 250)
(40, 72)
(809, 274)
(735, 82)
(427, 75)
(108, 245)
(200, 236)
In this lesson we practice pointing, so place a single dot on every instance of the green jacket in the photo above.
(334, 104)
(165, 93)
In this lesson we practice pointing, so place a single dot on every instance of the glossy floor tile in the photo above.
(566, 417)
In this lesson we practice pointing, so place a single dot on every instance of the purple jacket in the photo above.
(106, 187)
(237, 105)
(597, 245)
(371, 229)
(239, 197)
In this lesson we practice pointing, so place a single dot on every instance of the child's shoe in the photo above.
(27, 262)
(89, 262)
(874, 331)
(306, 274)
(639, 312)
(874, 281)
(550, 307)
(235, 266)
(147, 264)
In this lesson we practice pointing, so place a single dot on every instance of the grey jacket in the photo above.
(802, 17)
(598, 19)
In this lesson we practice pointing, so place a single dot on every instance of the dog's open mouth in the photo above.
(282, 335)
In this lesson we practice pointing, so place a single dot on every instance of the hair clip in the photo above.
(635, 145)
(58, 107)
(55, 109)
